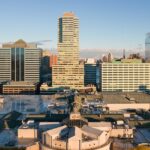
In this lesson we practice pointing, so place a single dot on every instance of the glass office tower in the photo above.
(17, 64)
(147, 46)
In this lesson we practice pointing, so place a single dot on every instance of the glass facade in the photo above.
(22, 64)
(60, 30)
(17, 64)
(147, 46)
(13, 58)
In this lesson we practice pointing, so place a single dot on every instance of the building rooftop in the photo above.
(131, 60)
(127, 60)
(100, 124)
(20, 43)
(119, 97)
(29, 126)
(68, 14)
(75, 132)
(92, 131)
(90, 61)
(56, 130)
(19, 83)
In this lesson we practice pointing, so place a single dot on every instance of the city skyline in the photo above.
(110, 25)
(75, 75)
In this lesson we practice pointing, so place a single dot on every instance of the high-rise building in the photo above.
(20, 61)
(45, 68)
(126, 77)
(90, 72)
(51, 59)
(47, 61)
(68, 72)
(68, 39)
(5, 64)
(147, 46)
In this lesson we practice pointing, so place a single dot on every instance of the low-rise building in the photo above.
(28, 131)
(45, 89)
(20, 88)
(28, 136)
(75, 134)
(78, 138)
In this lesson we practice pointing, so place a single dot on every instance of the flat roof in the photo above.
(68, 14)
(56, 130)
(120, 97)
(100, 124)
(91, 130)
(20, 83)
(28, 126)
(111, 97)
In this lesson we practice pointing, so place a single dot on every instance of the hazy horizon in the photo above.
(112, 24)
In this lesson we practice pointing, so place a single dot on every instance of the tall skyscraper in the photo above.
(68, 39)
(68, 72)
(147, 46)
(20, 61)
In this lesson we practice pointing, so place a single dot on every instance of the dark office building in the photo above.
(90, 72)
(17, 64)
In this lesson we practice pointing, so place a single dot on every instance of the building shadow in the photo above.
(143, 88)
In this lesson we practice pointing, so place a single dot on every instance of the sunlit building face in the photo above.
(68, 72)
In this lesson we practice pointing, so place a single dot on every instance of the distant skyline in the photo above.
(104, 24)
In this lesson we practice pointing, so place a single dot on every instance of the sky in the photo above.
(104, 24)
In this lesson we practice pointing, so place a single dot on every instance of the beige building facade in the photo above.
(68, 72)
(20, 61)
(125, 77)
(19, 87)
